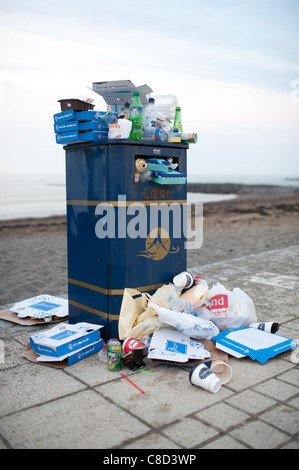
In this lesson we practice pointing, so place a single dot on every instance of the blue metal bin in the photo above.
(100, 182)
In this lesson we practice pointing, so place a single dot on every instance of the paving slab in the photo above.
(84, 420)
(259, 435)
(168, 395)
(29, 385)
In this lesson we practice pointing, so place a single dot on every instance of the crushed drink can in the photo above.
(114, 356)
(140, 165)
(191, 137)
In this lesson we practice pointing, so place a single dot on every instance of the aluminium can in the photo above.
(190, 137)
(114, 355)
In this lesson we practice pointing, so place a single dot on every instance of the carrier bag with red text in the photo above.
(228, 309)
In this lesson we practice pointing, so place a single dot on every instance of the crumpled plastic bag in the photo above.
(189, 325)
(229, 309)
(167, 297)
(136, 320)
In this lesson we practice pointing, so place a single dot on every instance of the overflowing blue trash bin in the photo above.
(123, 231)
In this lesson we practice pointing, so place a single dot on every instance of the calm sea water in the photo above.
(43, 195)
(39, 195)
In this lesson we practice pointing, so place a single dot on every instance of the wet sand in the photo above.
(33, 251)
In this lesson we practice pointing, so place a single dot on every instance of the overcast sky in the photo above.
(232, 64)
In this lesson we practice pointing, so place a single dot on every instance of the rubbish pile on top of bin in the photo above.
(131, 113)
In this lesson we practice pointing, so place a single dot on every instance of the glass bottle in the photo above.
(177, 124)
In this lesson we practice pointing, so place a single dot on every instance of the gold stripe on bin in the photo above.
(94, 311)
(73, 202)
(111, 291)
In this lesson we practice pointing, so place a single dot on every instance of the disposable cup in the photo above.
(269, 326)
(47, 319)
(131, 343)
(222, 369)
(125, 128)
(203, 377)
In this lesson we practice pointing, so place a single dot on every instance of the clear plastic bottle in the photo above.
(136, 117)
(102, 354)
(161, 134)
(149, 120)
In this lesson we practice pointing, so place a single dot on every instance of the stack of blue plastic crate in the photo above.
(77, 126)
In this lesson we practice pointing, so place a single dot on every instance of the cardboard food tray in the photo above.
(8, 315)
(31, 356)
(208, 346)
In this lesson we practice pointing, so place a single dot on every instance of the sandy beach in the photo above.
(33, 251)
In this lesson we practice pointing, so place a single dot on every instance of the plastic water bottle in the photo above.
(178, 119)
(149, 120)
(135, 116)
(160, 134)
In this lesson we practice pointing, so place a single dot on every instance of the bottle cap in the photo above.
(151, 100)
(136, 93)
(178, 108)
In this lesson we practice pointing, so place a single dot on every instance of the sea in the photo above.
(44, 194)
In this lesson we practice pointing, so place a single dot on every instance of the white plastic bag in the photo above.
(229, 309)
(190, 325)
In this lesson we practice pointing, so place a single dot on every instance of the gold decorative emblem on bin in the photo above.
(158, 245)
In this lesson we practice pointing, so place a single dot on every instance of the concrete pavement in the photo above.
(87, 406)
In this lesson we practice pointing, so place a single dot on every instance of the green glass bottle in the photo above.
(177, 124)
(135, 116)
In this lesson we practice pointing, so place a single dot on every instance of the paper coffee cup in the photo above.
(131, 343)
(183, 279)
(222, 370)
(203, 377)
(269, 326)
(48, 319)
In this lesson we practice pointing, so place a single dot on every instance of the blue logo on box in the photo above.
(176, 347)
(63, 334)
(45, 306)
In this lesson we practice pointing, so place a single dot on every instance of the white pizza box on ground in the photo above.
(172, 345)
(257, 344)
(64, 338)
(13, 317)
(118, 92)
(66, 360)
(42, 307)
